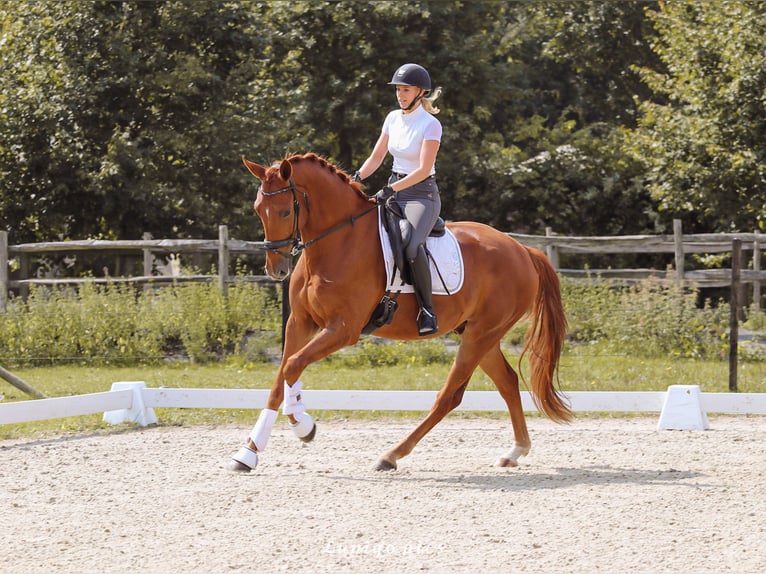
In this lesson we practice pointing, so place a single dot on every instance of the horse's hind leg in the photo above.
(507, 382)
(449, 397)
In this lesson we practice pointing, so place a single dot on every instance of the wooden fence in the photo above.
(678, 244)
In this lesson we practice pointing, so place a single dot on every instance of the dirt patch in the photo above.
(600, 495)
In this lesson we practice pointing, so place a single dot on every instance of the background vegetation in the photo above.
(642, 338)
(634, 339)
(122, 325)
(121, 117)
(594, 118)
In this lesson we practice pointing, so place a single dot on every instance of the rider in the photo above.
(412, 135)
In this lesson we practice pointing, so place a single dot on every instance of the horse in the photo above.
(310, 207)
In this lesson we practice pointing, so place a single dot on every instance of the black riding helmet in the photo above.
(412, 75)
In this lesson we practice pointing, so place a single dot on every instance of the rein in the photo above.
(294, 240)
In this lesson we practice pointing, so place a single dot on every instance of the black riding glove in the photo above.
(384, 194)
(356, 178)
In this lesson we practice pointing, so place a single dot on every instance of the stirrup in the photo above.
(427, 323)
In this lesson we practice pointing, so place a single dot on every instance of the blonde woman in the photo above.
(411, 134)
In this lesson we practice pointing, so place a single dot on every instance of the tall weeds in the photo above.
(124, 324)
(119, 323)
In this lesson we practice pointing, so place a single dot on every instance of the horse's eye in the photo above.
(286, 213)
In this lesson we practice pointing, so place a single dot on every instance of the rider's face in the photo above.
(406, 94)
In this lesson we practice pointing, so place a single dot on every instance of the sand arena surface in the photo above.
(600, 495)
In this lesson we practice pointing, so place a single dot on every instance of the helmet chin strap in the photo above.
(416, 100)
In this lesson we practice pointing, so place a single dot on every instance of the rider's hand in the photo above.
(384, 194)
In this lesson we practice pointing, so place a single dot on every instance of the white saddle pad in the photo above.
(446, 253)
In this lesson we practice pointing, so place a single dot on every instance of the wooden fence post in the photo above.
(757, 269)
(678, 242)
(20, 384)
(3, 270)
(24, 274)
(223, 259)
(148, 260)
(552, 250)
(736, 269)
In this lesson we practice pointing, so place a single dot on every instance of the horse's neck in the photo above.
(343, 229)
(330, 208)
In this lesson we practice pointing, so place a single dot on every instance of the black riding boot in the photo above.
(421, 282)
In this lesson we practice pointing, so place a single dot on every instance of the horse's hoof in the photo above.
(312, 433)
(506, 463)
(238, 467)
(245, 460)
(304, 427)
(384, 464)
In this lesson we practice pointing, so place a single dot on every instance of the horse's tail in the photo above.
(544, 340)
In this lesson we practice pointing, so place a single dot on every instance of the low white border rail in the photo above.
(134, 402)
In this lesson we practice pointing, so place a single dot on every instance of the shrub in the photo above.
(377, 352)
(114, 322)
(648, 319)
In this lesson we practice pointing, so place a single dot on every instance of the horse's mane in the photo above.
(323, 163)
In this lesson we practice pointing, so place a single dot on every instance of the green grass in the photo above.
(578, 372)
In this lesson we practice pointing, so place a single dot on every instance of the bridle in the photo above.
(294, 241)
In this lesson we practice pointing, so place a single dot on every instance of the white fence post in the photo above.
(137, 412)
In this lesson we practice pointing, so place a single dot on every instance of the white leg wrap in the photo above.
(303, 426)
(293, 404)
(247, 456)
(262, 429)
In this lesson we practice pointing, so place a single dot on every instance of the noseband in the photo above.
(294, 241)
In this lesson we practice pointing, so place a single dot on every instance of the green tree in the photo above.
(123, 117)
(702, 136)
(516, 92)
(566, 165)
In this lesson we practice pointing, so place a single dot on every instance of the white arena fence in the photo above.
(681, 407)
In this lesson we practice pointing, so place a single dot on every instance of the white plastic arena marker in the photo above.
(682, 409)
(137, 413)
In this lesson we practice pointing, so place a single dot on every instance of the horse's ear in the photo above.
(285, 169)
(257, 170)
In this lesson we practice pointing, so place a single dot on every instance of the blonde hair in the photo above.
(428, 102)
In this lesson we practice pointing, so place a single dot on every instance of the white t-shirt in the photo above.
(406, 134)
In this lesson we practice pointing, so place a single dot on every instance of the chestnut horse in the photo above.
(308, 206)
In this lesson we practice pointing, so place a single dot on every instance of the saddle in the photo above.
(399, 232)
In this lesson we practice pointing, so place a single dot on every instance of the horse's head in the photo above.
(277, 206)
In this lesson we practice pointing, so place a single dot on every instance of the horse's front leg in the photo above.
(286, 390)
(298, 333)
(327, 341)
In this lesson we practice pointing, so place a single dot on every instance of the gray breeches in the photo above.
(421, 205)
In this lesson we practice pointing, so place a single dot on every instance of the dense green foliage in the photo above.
(702, 135)
(118, 118)
(646, 320)
(120, 325)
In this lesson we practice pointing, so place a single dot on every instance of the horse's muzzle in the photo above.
(279, 267)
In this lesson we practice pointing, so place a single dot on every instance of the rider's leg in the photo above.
(421, 205)
(421, 280)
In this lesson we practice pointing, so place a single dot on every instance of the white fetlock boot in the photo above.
(303, 427)
(248, 457)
